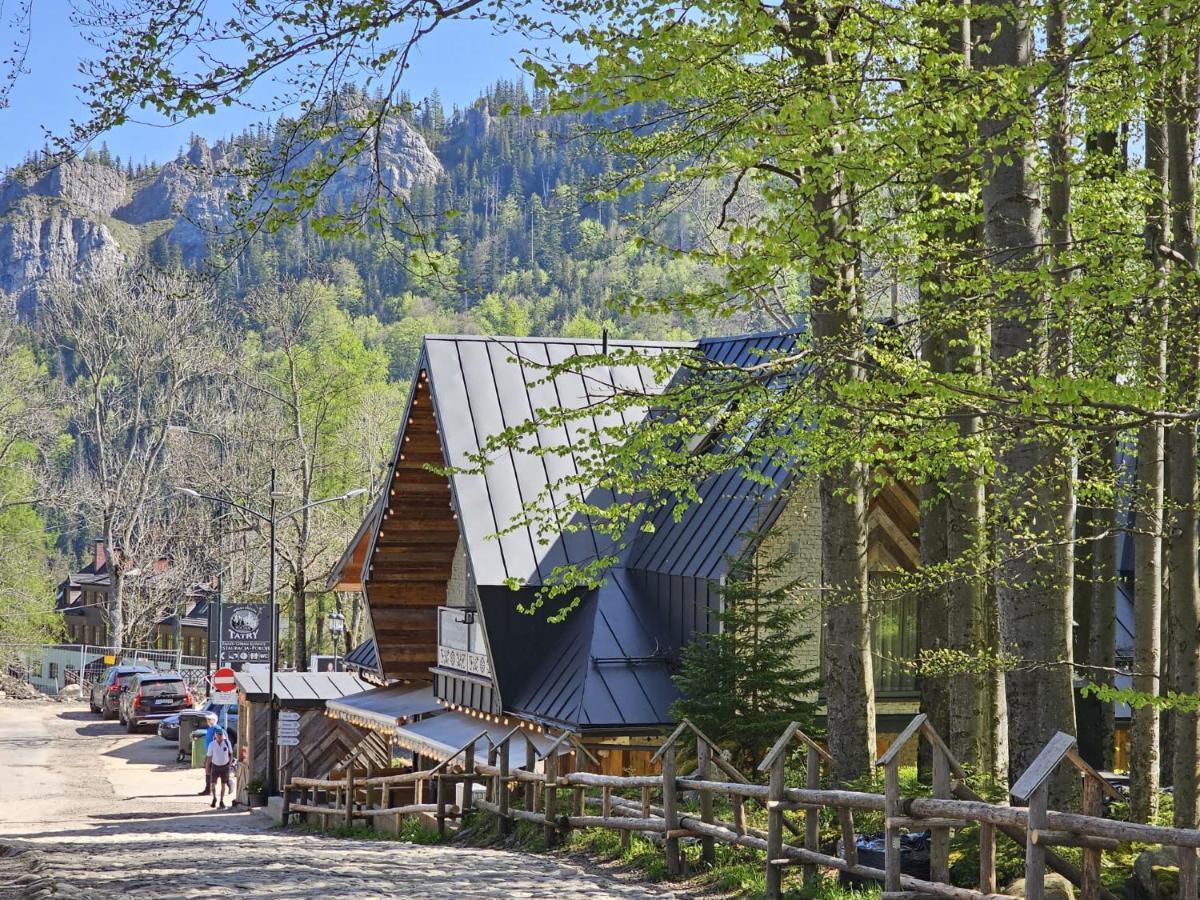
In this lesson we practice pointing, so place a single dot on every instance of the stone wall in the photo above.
(456, 587)
(797, 533)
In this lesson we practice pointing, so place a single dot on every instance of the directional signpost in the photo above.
(289, 728)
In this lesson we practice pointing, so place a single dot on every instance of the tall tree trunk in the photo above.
(116, 594)
(837, 339)
(933, 632)
(1147, 494)
(1102, 649)
(1032, 594)
(1181, 446)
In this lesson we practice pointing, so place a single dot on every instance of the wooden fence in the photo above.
(563, 797)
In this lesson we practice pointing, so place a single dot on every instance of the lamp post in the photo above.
(271, 518)
(336, 623)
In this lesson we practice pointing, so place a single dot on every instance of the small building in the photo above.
(300, 697)
(180, 613)
(439, 582)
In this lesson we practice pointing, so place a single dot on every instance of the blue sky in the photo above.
(459, 61)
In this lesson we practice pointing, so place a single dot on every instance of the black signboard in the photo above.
(245, 634)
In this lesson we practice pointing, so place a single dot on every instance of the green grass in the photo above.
(411, 832)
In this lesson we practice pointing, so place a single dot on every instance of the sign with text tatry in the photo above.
(245, 634)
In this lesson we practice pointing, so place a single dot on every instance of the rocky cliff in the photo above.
(86, 218)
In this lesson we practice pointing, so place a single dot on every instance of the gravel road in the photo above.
(112, 815)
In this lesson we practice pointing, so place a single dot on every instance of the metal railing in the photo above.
(50, 668)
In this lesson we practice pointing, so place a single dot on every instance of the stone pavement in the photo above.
(111, 815)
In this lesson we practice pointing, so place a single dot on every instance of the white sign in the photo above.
(287, 715)
(288, 741)
(289, 728)
(223, 697)
(464, 661)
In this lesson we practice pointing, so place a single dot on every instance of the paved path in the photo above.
(114, 816)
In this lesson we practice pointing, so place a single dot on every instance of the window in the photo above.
(893, 639)
(53, 675)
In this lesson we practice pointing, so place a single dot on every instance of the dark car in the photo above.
(152, 697)
(105, 696)
(227, 718)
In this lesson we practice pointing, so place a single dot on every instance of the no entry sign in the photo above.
(224, 680)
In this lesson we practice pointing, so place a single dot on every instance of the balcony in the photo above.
(460, 645)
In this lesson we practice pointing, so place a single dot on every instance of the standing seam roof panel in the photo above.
(458, 440)
(484, 385)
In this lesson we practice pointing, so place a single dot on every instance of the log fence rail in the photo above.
(557, 800)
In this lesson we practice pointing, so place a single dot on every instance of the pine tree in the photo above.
(744, 685)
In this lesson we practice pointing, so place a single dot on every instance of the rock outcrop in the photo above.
(85, 218)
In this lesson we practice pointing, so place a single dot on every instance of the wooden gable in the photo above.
(412, 552)
(892, 530)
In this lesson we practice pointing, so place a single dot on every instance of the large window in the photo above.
(894, 642)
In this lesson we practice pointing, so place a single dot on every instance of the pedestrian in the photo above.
(220, 758)
(209, 731)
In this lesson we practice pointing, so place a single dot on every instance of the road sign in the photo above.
(223, 697)
(288, 741)
(224, 680)
(287, 715)
(291, 729)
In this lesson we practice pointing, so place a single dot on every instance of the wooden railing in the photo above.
(562, 797)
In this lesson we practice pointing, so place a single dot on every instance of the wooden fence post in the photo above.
(987, 858)
(530, 765)
(775, 799)
(350, 796)
(550, 798)
(502, 790)
(891, 829)
(468, 784)
(1035, 853)
(440, 787)
(1187, 872)
(812, 817)
(1093, 805)
(939, 849)
(671, 809)
(704, 754)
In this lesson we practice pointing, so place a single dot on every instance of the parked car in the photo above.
(152, 697)
(227, 717)
(105, 695)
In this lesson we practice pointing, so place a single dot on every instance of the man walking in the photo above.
(220, 761)
(209, 730)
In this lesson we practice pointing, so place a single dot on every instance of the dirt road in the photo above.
(114, 816)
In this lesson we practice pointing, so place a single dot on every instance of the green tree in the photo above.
(743, 685)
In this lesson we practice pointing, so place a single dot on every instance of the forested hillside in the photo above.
(508, 228)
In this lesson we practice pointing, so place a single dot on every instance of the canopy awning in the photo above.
(443, 735)
(384, 709)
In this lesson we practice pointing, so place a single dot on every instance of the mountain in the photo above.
(87, 216)
(514, 236)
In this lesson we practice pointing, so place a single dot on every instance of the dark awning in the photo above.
(299, 689)
(442, 735)
(384, 708)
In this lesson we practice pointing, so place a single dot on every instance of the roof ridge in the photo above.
(532, 339)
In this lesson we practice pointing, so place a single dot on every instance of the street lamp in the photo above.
(336, 623)
(272, 519)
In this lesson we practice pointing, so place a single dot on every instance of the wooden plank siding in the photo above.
(413, 552)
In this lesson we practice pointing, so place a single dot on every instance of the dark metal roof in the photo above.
(608, 668)
(302, 688)
(386, 707)
(731, 504)
(481, 387)
(364, 656)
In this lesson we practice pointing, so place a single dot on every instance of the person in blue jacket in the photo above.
(209, 732)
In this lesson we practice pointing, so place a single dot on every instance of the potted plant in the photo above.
(256, 794)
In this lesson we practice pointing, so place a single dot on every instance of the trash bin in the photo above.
(197, 749)
(189, 721)
(914, 856)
